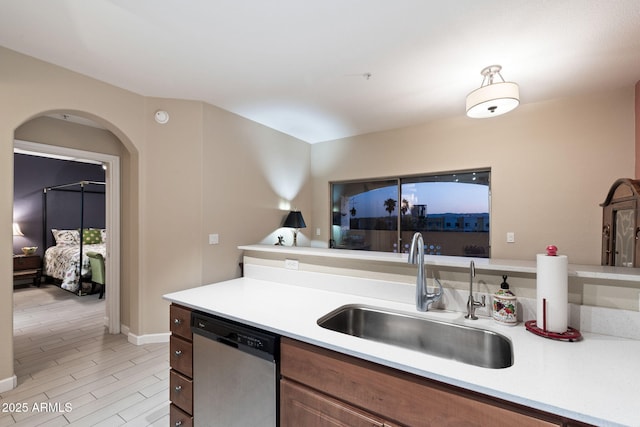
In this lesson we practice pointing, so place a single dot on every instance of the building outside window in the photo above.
(451, 210)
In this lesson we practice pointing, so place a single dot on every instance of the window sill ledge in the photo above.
(481, 264)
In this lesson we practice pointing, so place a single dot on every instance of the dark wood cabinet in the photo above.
(621, 224)
(320, 387)
(181, 356)
(181, 391)
(179, 418)
(181, 362)
(27, 267)
(305, 407)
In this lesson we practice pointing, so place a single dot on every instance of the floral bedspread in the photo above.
(61, 262)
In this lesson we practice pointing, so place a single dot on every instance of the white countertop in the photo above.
(595, 380)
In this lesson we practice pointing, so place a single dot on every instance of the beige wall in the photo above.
(46, 130)
(203, 172)
(251, 175)
(170, 209)
(551, 163)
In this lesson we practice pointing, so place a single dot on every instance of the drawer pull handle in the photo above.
(178, 353)
(178, 423)
(177, 321)
(178, 388)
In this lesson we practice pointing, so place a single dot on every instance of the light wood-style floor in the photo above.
(71, 372)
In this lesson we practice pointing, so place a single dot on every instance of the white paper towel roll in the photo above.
(552, 286)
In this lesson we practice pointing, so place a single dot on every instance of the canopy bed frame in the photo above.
(82, 188)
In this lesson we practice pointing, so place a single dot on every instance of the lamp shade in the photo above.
(493, 100)
(294, 220)
(16, 230)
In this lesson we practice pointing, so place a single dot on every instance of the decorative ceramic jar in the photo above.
(505, 305)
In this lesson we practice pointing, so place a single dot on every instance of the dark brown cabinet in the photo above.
(320, 387)
(27, 267)
(621, 224)
(305, 407)
(181, 362)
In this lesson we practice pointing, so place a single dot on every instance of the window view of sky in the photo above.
(440, 197)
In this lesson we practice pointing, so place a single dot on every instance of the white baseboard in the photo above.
(144, 339)
(8, 383)
(148, 338)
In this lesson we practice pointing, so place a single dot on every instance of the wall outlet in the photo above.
(214, 239)
(318, 231)
(511, 237)
(291, 264)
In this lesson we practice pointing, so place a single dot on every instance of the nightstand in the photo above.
(27, 267)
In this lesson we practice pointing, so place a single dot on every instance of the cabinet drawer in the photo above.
(178, 418)
(28, 262)
(180, 318)
(181, 391)
(181, 355)
(301, 406)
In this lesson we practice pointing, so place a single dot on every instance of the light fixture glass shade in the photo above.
(16, 230)
(493, 100)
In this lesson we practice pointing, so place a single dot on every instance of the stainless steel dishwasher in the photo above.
(235, 373)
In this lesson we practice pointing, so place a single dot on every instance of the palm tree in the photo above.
(390, 206)
(404, 207)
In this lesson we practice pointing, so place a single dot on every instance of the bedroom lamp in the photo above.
(492, 99)
(16, 230)
(294, 220)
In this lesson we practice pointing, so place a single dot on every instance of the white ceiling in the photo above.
(301, 66)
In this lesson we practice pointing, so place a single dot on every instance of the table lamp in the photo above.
(16, 230)
(294, 220)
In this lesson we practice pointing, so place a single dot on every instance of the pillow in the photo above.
(103, 235)
(91, 236)
(66, 237)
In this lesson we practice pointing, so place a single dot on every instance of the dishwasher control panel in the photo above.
(246, 338)
(251, 341)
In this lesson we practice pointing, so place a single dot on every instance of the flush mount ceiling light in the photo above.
(492, 99)
(161, 117)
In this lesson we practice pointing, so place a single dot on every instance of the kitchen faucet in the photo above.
(423, 297)
(472, 303)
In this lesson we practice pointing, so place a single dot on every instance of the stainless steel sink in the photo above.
(474, 346)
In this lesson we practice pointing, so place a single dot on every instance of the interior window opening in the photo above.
(451, 210)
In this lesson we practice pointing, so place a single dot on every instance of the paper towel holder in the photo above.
(570, 334)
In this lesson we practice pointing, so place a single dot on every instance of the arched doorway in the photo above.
(112, 217)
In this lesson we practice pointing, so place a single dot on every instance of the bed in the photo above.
(62, 261)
